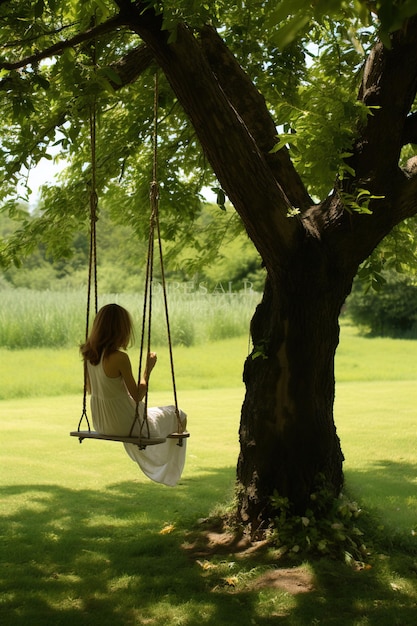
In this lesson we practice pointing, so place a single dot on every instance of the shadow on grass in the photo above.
(115, 557)
(389, 490)
(78, 556)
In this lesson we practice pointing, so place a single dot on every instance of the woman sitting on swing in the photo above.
(115, 396)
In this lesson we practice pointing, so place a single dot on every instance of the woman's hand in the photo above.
(151, 362)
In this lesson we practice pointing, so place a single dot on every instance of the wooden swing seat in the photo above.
(183, 435)
(142, 442)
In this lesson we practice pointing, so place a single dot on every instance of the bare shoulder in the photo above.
(120, 357)
(116, 363)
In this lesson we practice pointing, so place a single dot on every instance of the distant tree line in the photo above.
(384, 307)
(121, 259)
(390, 310)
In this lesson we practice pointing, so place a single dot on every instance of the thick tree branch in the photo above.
(251, 106)
(229, 146)
(132, 65)
(389, 87)
(59, 47)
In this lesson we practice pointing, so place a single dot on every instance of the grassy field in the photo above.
(48, 372)
(37, 372)
(87, 540)
(377, 425)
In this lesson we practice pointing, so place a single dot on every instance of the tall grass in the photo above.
(39, 319)
(31, 319)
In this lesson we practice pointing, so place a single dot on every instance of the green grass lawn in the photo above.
(361, 358)
(377, 424)
(46, 372)
(87, 540)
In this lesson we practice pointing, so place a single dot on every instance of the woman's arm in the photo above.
(125, 369)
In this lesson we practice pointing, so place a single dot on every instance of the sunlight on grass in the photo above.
(360, 358)
(48, 372)
(377, 426)
(84, 533)
(41, 426)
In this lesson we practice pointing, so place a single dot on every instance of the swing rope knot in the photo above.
(154, 192)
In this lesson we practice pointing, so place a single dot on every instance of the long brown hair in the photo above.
(112, 329)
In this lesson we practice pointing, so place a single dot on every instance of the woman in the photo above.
(115, 394)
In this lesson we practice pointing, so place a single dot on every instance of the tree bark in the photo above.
(288, 440)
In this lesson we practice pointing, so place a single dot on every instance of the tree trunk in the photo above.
(288, 439)
(287, 435)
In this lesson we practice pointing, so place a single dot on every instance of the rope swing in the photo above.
(144, 438)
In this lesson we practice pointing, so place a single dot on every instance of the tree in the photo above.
(315, 198)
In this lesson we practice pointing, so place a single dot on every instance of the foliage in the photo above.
(396, 253)
(304, 57)
(328, 527)
(71, 83)
(286, 19)
(389, 311)
(121, 257)
(318, 123)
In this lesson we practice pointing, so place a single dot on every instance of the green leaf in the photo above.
(287, 33)
(282, 10)
(42, 81)
(110, 74)
(39, 8)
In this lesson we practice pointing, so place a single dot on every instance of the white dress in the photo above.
(113, 411)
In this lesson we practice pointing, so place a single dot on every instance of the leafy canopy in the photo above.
(305, 58)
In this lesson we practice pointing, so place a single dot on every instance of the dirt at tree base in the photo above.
(219, 541)
(293, 580)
